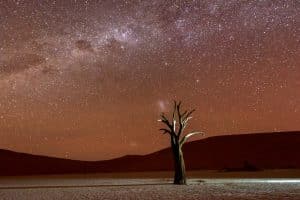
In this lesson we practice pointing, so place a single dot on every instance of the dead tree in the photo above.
(175, 128)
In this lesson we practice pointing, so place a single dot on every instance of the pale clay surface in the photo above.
(148, 189)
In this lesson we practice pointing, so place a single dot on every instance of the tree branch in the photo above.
(188, 114)
(182, 122)
(174, 117)
(179, 119)
(166, 121)
(186, 137)
(175, 105)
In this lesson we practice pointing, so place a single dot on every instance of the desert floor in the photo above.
(274, 184)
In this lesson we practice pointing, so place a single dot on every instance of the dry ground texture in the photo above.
(148, 186)
(161, 191)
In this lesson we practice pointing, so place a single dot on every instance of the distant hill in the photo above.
(231, 152)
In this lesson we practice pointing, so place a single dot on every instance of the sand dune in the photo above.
(249, 152)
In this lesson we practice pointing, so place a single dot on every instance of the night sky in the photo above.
(88, 79)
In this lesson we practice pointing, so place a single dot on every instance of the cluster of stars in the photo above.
(99, 72)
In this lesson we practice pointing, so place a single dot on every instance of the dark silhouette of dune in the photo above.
(231, 152)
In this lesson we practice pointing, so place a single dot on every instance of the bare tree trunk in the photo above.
(175, 127)
(179, 177)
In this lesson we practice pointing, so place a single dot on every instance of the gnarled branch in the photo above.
(186, 137)
(179, 121)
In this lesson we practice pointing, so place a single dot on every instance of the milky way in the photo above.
(88, 79)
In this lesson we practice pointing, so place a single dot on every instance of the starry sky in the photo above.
(87, 79)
